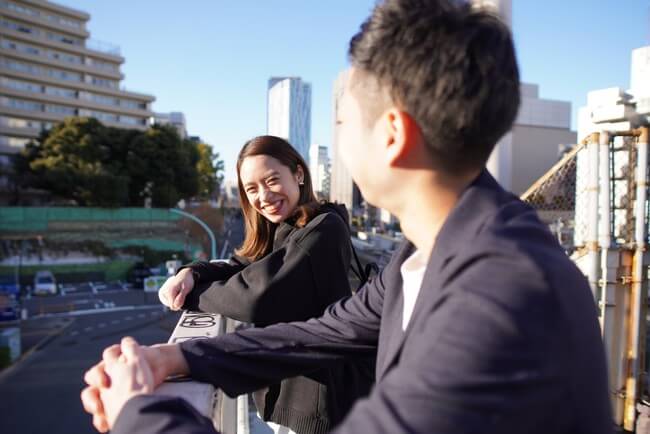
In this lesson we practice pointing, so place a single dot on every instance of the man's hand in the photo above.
(173, 292)
(155, 363)
(130, 375)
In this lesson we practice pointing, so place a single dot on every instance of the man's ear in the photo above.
(400, 134)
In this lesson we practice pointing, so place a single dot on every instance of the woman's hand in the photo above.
(173, 292)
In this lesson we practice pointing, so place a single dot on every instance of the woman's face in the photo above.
(272, 190)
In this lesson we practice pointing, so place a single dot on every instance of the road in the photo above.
(40, 394)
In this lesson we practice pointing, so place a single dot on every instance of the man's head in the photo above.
(435, 72)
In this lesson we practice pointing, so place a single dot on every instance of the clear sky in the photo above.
(211, 59)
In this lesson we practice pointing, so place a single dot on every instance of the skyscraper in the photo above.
(342, 188)
(319, 167)
(289, 112)
(50, 69)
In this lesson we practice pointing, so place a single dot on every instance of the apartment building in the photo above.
(50, 69)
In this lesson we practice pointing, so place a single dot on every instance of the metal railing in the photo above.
(103, 47)
(229, 416)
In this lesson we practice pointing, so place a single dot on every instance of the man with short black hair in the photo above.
(480, 323)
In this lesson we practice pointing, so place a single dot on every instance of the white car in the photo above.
(44, 283)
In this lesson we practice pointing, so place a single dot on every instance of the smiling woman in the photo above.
(274, 183)
(293, 263)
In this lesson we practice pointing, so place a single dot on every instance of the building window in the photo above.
(35, 51)
(135, 105)
(100, 64)
(21, 85)
(17, 27)
(102, 82)
(19, 8)
(60, 91)
(22, 67)
(64, 57)
(21, 48)
(21, 123)
(103, 99)
(130, 120)
(16, 142)
(64, 75)
(64, 39)
(21, 104)
(103, 116)
(38, 14)
(60, 109)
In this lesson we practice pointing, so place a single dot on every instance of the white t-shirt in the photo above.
(412, 271)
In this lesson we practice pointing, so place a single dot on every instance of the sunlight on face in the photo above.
(272, 190)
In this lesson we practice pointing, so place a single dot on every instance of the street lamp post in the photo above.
(213, 241)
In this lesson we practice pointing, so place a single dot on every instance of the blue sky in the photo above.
(211, 59)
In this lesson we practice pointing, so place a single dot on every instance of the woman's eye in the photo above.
(250, 191)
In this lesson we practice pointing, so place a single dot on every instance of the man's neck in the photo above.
(427, 207)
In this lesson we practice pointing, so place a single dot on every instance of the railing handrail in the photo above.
(229, 416)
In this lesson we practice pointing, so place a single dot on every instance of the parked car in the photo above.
(44, 283)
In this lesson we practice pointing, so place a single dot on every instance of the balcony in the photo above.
(103, 47)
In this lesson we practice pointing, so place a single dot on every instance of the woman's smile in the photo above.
(274, 207)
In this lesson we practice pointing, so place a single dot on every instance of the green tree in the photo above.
(73, 161)
(161, 166)
(210, 170)
(95, 165)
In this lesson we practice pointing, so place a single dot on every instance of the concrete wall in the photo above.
(534, 151)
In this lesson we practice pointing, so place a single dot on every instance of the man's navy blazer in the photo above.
(504, 338)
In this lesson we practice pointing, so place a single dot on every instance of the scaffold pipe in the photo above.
(639, 288)
(592, 213)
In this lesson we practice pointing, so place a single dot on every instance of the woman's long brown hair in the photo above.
(259, 232)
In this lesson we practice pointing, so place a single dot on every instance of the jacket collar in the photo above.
(482, 198)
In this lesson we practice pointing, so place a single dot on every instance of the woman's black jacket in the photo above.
(306, 271)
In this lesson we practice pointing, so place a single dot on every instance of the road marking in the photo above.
(141, 315)
(115, 321)
(98, 311)
(87, 329)
(102, 325)
(128, 318)
(74, 333)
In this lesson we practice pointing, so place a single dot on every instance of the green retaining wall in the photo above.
(39, 219)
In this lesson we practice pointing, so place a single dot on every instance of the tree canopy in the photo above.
(82, 160)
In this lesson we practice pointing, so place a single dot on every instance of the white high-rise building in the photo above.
(342, 188)
(289, 112)
(319, 169)
(51, 69)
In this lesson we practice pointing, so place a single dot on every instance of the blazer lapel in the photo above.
(462, 224)
(427, 296)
